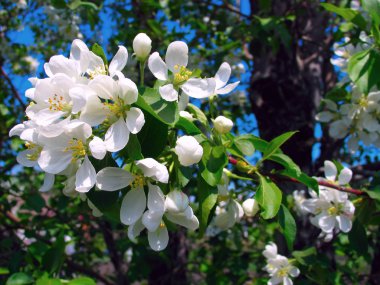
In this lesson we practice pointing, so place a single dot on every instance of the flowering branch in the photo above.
(358, 192)
(13, 88)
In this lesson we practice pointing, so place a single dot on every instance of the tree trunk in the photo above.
(287, 85)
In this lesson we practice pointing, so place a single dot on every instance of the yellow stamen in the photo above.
(100, 70)
(139, 181)
(77, 148)
(36, 151)
(182, 75)
(56, 103)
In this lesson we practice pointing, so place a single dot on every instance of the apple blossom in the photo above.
(250, 207)
(188, 150)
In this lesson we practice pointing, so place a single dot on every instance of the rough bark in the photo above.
(287, 85)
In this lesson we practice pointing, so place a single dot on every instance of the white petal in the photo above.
(127, 91)
(22, 158)
(152, 220)
(330, 170)
(199, 88)
(287, 281)
(104, 86)
(94, 112)
(29, 93)
(168, 93)
(48, 182)
(79, 52)
(159, 239)
(325, 116)
(345, 176)
(227, 89)
(345, 224)
(183, 102)
(294, 272)
(119, 60)
(54, 161)
(117, 136)
(98, 148)
(135, 120)
(176, 55)
(134, 230)
(182, 219)
(156, 199)
(133, 206)
(78, 96)
(157, 66)
(113, 178)
(152, 168)
(327, 223)
(17, 130)
(222, 75)
(85, 177)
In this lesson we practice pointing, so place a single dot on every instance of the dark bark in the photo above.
(287, 84)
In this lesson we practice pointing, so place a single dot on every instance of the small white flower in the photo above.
(188, 150)
(278, 266)
(142, 46)
(223, 125)
(176, 60)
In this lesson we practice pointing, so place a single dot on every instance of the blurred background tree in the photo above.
(279, 49)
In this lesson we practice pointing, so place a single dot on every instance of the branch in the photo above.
(13, 88)
(278, 177)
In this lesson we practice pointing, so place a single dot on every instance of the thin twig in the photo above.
(13, 88)
(278, 177)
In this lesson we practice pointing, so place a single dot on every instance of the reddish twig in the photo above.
(277, 177)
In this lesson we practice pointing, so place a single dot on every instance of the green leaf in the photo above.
(153, 136)
(54, 257)
(77, 3)
(184, 175)
(286, 161)
(288, 226)
(35, 202)
(4, 271)
(276, 143)
(303, 178)
(364, 69)
(358, 238)
(82, 281)
(133, 148)
(45, 280)
(198, 113)
(213, 161)
(208, 196)
(19, 278)
(167, 111)
(348, 14)
(98, 50)
(244, 145)
(373, 8)
(305, 257)
(269, 197)
(59, 4)
(374, 193)
(337, 94)
(188, 127)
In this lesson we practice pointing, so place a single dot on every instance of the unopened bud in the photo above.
(142, 45)
(250, 207)
(223, 125)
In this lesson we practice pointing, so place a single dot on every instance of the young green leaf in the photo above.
(213, 161)
(208, 196)
(288, 226)
(19, 278)
(348, 14)
(269, 197)
(303, 178)
(276, 143)
(98, 50)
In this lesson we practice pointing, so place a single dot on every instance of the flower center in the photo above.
(363, 102)
(283, 272)
(100, 70)
(162, 224)
(117, 108)
(77, 148)
(57, 103)
(36, 151)
(181, 75)
(138, 182)
(334, 210)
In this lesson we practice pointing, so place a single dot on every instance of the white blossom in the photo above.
(188, 150)
(222, 124)
(142, 46)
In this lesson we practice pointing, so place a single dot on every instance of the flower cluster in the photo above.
(278, 266)
(86, 110)
(331, 211)
(359, 119)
